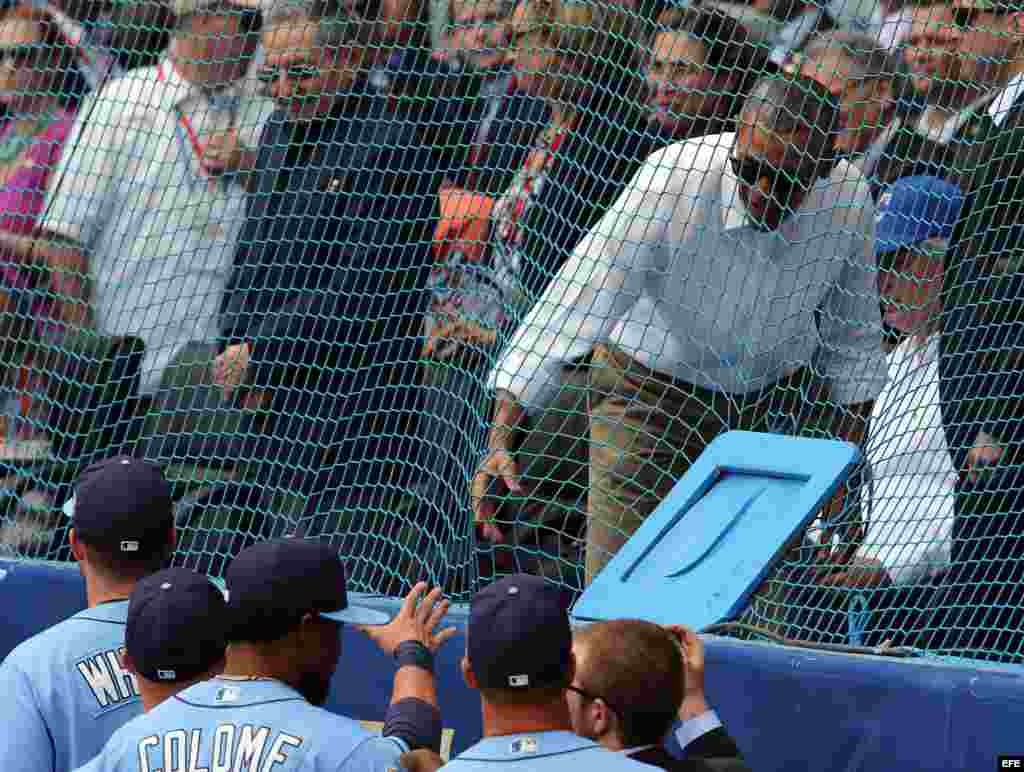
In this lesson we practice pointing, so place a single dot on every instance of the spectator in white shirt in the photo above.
(145, 206)
(731, 286)
(910, 513)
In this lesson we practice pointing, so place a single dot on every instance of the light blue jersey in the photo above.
(225, 724)
(541, 751)
(65, 691)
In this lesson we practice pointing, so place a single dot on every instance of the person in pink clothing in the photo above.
(38, 87)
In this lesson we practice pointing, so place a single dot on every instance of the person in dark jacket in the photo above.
(981, 372)
(321, 318)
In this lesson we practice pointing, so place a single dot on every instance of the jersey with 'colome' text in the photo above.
(541, 751)
(225, 724)
(65, 691)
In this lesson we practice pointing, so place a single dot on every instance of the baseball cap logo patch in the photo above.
(129, 546)
(518, 681)
(167, 675)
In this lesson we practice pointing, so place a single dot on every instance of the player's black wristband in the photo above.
(416, 654)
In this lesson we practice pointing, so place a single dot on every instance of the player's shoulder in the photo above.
(542, 750)
(78, 629)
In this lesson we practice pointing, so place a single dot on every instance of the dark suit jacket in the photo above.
(981, 359)
(717, 743)
(329, 279)
(959, 161)
(660, 758)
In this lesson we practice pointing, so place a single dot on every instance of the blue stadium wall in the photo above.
(789, 709)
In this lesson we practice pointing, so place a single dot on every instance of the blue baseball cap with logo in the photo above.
(273, 584)
(519, 636)
(176, 627)
(122, 503)
(914, 209)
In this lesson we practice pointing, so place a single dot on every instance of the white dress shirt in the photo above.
(910, 517)
(1000, 106)
(133, 193)
(675, 275)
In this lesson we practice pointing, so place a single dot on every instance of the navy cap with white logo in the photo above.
(519, 634)
(271, 585)
(123, 503)
(176, 625)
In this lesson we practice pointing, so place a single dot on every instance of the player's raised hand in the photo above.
(417, 621)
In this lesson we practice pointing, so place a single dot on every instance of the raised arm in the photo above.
(414, 715)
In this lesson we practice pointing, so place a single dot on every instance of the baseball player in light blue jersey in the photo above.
(286, 602)
(519, 656)
(67, 689)
(176, 633)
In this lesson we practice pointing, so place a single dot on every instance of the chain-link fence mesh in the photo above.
(465, 287)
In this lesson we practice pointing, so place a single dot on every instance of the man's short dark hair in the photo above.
(637, 667)
(793, 104)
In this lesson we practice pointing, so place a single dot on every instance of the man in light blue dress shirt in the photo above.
(732, 286)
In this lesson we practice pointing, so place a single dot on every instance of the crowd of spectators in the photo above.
(391, 268)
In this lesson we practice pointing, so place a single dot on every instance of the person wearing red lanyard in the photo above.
(111, 241)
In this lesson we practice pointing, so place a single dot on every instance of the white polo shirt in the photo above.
(131, 191)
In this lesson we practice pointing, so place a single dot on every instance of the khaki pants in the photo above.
(646, 429)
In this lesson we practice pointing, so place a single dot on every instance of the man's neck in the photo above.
(153, 693)
(99, 590)
(504, 720)
(245, 660)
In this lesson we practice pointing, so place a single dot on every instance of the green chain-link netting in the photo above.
(327, 260)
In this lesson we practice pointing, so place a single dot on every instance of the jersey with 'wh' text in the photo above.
(65, 691)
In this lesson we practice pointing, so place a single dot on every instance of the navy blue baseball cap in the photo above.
(273, 584)
(519, 636)
(176, 625)
(124, 503)
(914, 209)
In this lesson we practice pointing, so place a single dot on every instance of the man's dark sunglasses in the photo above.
(295, 72)
(782, 183)
(19, 55)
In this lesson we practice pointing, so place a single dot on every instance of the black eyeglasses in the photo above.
(782, 183)
(593, 698)
(295, 72)
(18, 55)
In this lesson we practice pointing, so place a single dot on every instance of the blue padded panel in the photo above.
(710, 543)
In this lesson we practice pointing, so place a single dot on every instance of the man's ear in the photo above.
(468, 675)
(129, 664)
(77, 548)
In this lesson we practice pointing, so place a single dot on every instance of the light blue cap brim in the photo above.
(357, 615)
